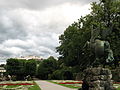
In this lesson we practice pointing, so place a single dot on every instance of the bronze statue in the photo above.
(100, 48)
(103, 54)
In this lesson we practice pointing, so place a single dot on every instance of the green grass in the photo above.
(35, 87)
(118, 88)
(12, 86)
(69, 86)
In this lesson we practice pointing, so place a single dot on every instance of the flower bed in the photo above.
(80, 82)
(116, 82)
(71, 82)
(76, 84)
(68, 83)
(17, 84)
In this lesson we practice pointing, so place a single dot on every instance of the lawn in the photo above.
(118, 88)
(73, 84)
(66, 85)
(31, 85)
(35, 87)
(12, 86)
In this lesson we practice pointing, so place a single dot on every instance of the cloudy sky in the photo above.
(32, 27)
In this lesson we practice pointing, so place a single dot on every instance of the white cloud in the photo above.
(25, 32)
(49, 19)
(39, 4)
(12, 51)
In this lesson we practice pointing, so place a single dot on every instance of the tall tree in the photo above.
(72, 42)
(103, 21)
(30, 67)
(47, 67)
(16, 67)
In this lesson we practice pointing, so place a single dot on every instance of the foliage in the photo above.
(19, 68)
(62, 74)
(47, 67)
(56, 75)
(103, 21)
(106, 17)
(30, 67)
(70, 48)
(16, 67)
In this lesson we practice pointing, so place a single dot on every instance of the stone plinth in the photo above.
(97, 79)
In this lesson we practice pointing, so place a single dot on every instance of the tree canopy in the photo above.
(16, 67)
(21, 67)
(46, 68)
(104, 20)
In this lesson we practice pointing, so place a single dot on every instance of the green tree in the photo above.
(104, 21)
(30, 67)
(72, 42)
(16, 67)
(47, 67)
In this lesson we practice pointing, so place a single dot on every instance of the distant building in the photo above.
(30, 57)
(2, 70)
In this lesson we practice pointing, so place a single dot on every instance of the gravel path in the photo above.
(44, 85)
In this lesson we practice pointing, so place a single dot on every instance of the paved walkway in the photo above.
(44, 85)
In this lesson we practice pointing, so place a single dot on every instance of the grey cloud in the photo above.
(11, 34)
(38, 4)
(47, 39)
(33, 32)
(5, 53)
(10, 28)
(42, 45)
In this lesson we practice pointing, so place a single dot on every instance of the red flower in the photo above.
(17, 84)
(71, 82)
(116, 82)
(80, 82)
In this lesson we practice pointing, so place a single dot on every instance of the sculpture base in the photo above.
(97, 79)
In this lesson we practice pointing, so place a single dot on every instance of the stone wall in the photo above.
(79, 76)
(97, 79)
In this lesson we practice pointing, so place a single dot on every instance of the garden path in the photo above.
(44, 85)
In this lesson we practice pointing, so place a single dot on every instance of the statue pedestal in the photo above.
(97, 78)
